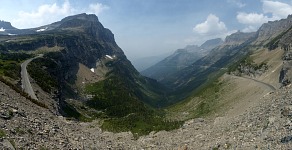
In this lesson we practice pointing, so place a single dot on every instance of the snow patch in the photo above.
(92, 69)
(108, 56)
(41, 30)
(1, 29)
(11, 34)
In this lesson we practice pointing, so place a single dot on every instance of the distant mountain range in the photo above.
(146, 62)
(180, 59)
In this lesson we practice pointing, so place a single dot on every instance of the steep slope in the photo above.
(108, 87)
(180, 59)
(205, 70)
(201, 84)
(78, 39)
(269, 31)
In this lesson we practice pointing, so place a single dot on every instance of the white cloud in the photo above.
(251, 18)
(97, 8)
(198, 40)
(278, 9)
(209, 29)
(272, 10)
(43, 15)
(49, 13)
(212, 26)
(250, 28)
(238, 3)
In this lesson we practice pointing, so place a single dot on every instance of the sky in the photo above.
(145, 28)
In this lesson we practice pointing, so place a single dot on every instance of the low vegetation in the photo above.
(205, 101)
(2, 133)
(123, 110)
(40, 70)
(10, 64)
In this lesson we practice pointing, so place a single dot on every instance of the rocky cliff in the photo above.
(238, 38)
(272, 29)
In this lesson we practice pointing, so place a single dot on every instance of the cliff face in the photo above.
(238, 38)
(272, 29)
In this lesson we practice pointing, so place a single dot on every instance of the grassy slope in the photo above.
(218, 97)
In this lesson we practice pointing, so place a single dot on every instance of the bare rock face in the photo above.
(270, 30)
(238, 38)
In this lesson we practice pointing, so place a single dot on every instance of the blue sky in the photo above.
(153, 27)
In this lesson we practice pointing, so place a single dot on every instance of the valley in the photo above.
(68, 85)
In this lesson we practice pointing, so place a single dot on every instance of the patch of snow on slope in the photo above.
(40, 30)
(92, 69)
(108, 56)
(2, 30)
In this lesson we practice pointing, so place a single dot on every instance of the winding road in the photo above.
(25, 83)
(269, 86)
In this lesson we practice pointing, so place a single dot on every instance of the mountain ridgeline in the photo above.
(202, 70)
(180, 59)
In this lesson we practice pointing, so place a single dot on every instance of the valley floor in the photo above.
(264, 125)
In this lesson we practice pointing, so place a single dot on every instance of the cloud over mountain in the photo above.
(271, 10)
(212, 26)
(48, 13)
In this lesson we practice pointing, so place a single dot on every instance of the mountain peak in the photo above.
(6, 25)
(80, 20)
(86, 23)
(238, 38)
(83, 16)
(210, 44)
